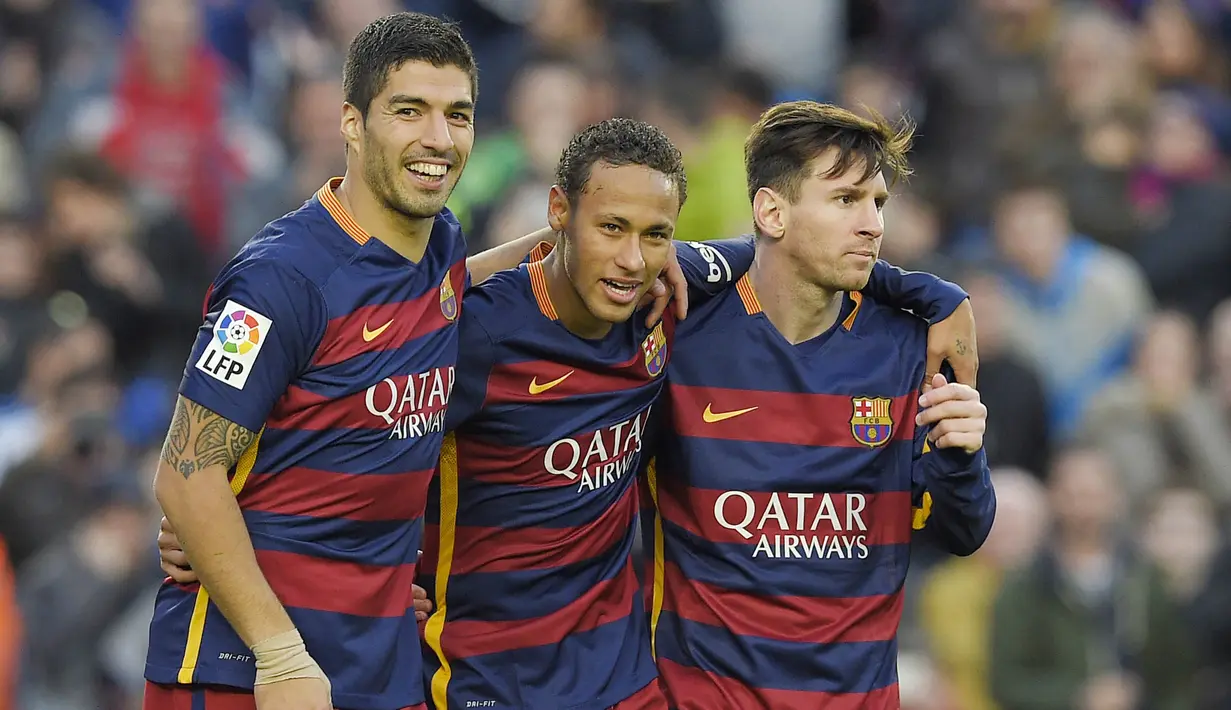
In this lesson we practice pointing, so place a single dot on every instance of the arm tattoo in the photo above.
(217, 441)
(961, 347)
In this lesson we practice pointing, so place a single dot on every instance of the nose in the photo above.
(437, 135)
(872, 222)
(629, 256)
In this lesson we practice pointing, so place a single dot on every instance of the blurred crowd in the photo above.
(1071, 172)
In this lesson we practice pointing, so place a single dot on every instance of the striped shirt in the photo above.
(786, 493)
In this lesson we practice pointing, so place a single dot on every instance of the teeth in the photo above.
(429, 169)
(619, 287)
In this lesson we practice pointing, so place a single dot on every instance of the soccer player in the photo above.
(798, 461)
(311, 412)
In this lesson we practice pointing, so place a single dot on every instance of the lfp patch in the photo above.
(239, 335)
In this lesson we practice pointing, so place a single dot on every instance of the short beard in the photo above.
(382, 181)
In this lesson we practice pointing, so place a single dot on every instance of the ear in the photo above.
(558, 209)
(352, 126)
(771, 212)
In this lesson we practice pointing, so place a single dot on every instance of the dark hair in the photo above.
(619, 141)
(391, 41)
(784, 142)
(90, 170)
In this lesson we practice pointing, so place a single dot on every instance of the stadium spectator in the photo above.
(1089, 624)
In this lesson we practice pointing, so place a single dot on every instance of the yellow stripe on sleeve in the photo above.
(196, 625)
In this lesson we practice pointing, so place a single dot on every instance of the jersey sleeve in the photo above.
(952, 495)
(710, 267)
(475, 358)
(927, 296)
(261, 328)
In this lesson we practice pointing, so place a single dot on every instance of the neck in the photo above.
(570, 308)
(798, 309)
(406, 235)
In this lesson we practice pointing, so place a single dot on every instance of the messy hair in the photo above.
(788, 137)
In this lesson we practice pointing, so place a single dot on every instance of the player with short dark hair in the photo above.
(311, 412)
(795, 467)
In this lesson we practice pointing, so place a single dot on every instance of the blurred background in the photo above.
(1072, 174)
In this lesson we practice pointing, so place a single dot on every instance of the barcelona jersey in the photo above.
(786, 492)
(341, 354)
(528, 550)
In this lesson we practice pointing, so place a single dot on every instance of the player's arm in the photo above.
(507, 255)
(225, 397)
(193, 489)
(946, 308)
(952, 484)
(711, 267)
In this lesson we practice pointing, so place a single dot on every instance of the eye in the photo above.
(461, 118)
(609, 227)
(847, 199)
(657, 235)
(408, 111)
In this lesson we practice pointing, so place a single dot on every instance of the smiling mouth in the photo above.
(621, 291)
(431, 173)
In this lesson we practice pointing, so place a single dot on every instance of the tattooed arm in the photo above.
(192, 487)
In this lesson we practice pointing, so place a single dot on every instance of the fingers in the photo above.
(957, 409)
(174, 555)
(946, 391)
(166, 526)
(662, 296)
(422, 605)
(180, 575)
(678, 284)
(968, 441)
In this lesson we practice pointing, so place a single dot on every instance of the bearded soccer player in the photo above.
(801, 455)
(297, 496)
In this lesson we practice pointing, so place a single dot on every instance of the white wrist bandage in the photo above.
(284, 657)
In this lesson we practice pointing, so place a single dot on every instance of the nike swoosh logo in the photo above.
(711, 417)
(536, 388)
(370, 335)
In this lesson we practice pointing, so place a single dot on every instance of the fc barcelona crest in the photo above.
(448, 299)
(655, 348)
(871, 420)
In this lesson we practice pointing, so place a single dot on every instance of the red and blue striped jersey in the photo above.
(341, 353)
(786, 487)
(528, 550)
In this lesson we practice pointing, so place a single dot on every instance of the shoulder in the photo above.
(875, 318)
(502, 305)
(302, 242)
